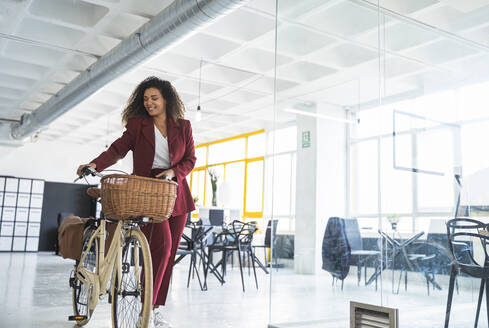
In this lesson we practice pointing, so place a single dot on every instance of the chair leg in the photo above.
(405, 280)
(241, 268)
(192, 258)
(487, 299)
(365, 272)
(453, 274)
(359, 271)
(248, 253)
(479, 302)
(253, 264)
(196, 270)
(342, 281)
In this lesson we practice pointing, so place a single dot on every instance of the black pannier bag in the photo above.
(336, 250)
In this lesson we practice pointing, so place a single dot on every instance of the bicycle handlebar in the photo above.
(88, 170)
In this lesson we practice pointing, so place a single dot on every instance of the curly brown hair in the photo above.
(135, 105)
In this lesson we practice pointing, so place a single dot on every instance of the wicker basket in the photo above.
(126, 196)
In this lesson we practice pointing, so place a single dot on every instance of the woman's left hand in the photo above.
(169, 173)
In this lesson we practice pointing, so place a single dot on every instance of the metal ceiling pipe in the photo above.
(175, 22)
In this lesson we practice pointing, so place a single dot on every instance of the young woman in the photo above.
(162, 144)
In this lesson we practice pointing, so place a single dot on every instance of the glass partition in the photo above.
(388, 101)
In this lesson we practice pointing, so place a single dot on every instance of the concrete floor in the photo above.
(34, 292)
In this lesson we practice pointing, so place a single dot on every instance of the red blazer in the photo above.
(140, 138)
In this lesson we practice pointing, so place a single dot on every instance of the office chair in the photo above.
(460, 231)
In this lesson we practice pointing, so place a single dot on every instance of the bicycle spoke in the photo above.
(130, 294)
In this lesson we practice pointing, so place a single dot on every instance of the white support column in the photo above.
(320, 186)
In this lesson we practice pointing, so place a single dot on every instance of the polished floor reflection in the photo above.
(34, 292)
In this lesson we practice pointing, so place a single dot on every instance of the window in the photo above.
(241, 172)
(227, 151)
(254, 188)
(442, 133)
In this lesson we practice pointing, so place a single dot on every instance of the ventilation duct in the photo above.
(175, 22)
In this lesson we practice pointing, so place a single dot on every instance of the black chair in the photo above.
(193, 246)
(267, 244)
(238, 237)
(363, 257)
(460, 231)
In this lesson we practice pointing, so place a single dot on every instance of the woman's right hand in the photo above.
(78, 172)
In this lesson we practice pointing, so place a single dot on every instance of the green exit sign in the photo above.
(306, 139)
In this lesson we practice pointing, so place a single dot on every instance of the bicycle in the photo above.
(126, 265)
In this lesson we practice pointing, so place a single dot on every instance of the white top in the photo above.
(162, 155)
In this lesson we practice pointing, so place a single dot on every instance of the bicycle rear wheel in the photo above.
(80, 293)
(132, 293)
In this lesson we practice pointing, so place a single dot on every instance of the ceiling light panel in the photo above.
(78, 13)
(304, 71)
(9, 93)
(479, 35)
(217, 104)
(405, 7)
(344, 55)
(78, 62)
(51, 88)
(242, 96)
(122, 25)
(57, 35)
(264, 6)
(40, 97)
(255, 60)
(16, 82)
(186, 97)
(403, 35)
(17, 68)
(64, 76)
(174, 63)
(466, 6)
(141, 73)
(109, 98)
(267, 84)
(97, 44)
(33, 54)
(205, 46)
(146, 8)
(225, 74)
(236, 25)
(293, 9)
(395, 66)
(441, 51)
(192, 86)
(299, 41)
(441, 16)
(30, 105)
(339, 19)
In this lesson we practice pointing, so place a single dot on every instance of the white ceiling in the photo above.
(327, 54)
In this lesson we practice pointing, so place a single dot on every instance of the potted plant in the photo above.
(214, 177)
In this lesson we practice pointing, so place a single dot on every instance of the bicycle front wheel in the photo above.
(132, 293)
(81, 294)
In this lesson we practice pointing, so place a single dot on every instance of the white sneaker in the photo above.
(151, 323)
(159, 321)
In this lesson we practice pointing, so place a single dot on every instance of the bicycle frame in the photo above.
(105, 268)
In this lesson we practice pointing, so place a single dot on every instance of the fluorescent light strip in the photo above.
(326, 117)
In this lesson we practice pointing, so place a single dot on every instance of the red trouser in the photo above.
(163, 242)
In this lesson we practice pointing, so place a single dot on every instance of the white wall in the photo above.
(53, 160)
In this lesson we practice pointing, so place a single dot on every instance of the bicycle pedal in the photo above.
(76, 317)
